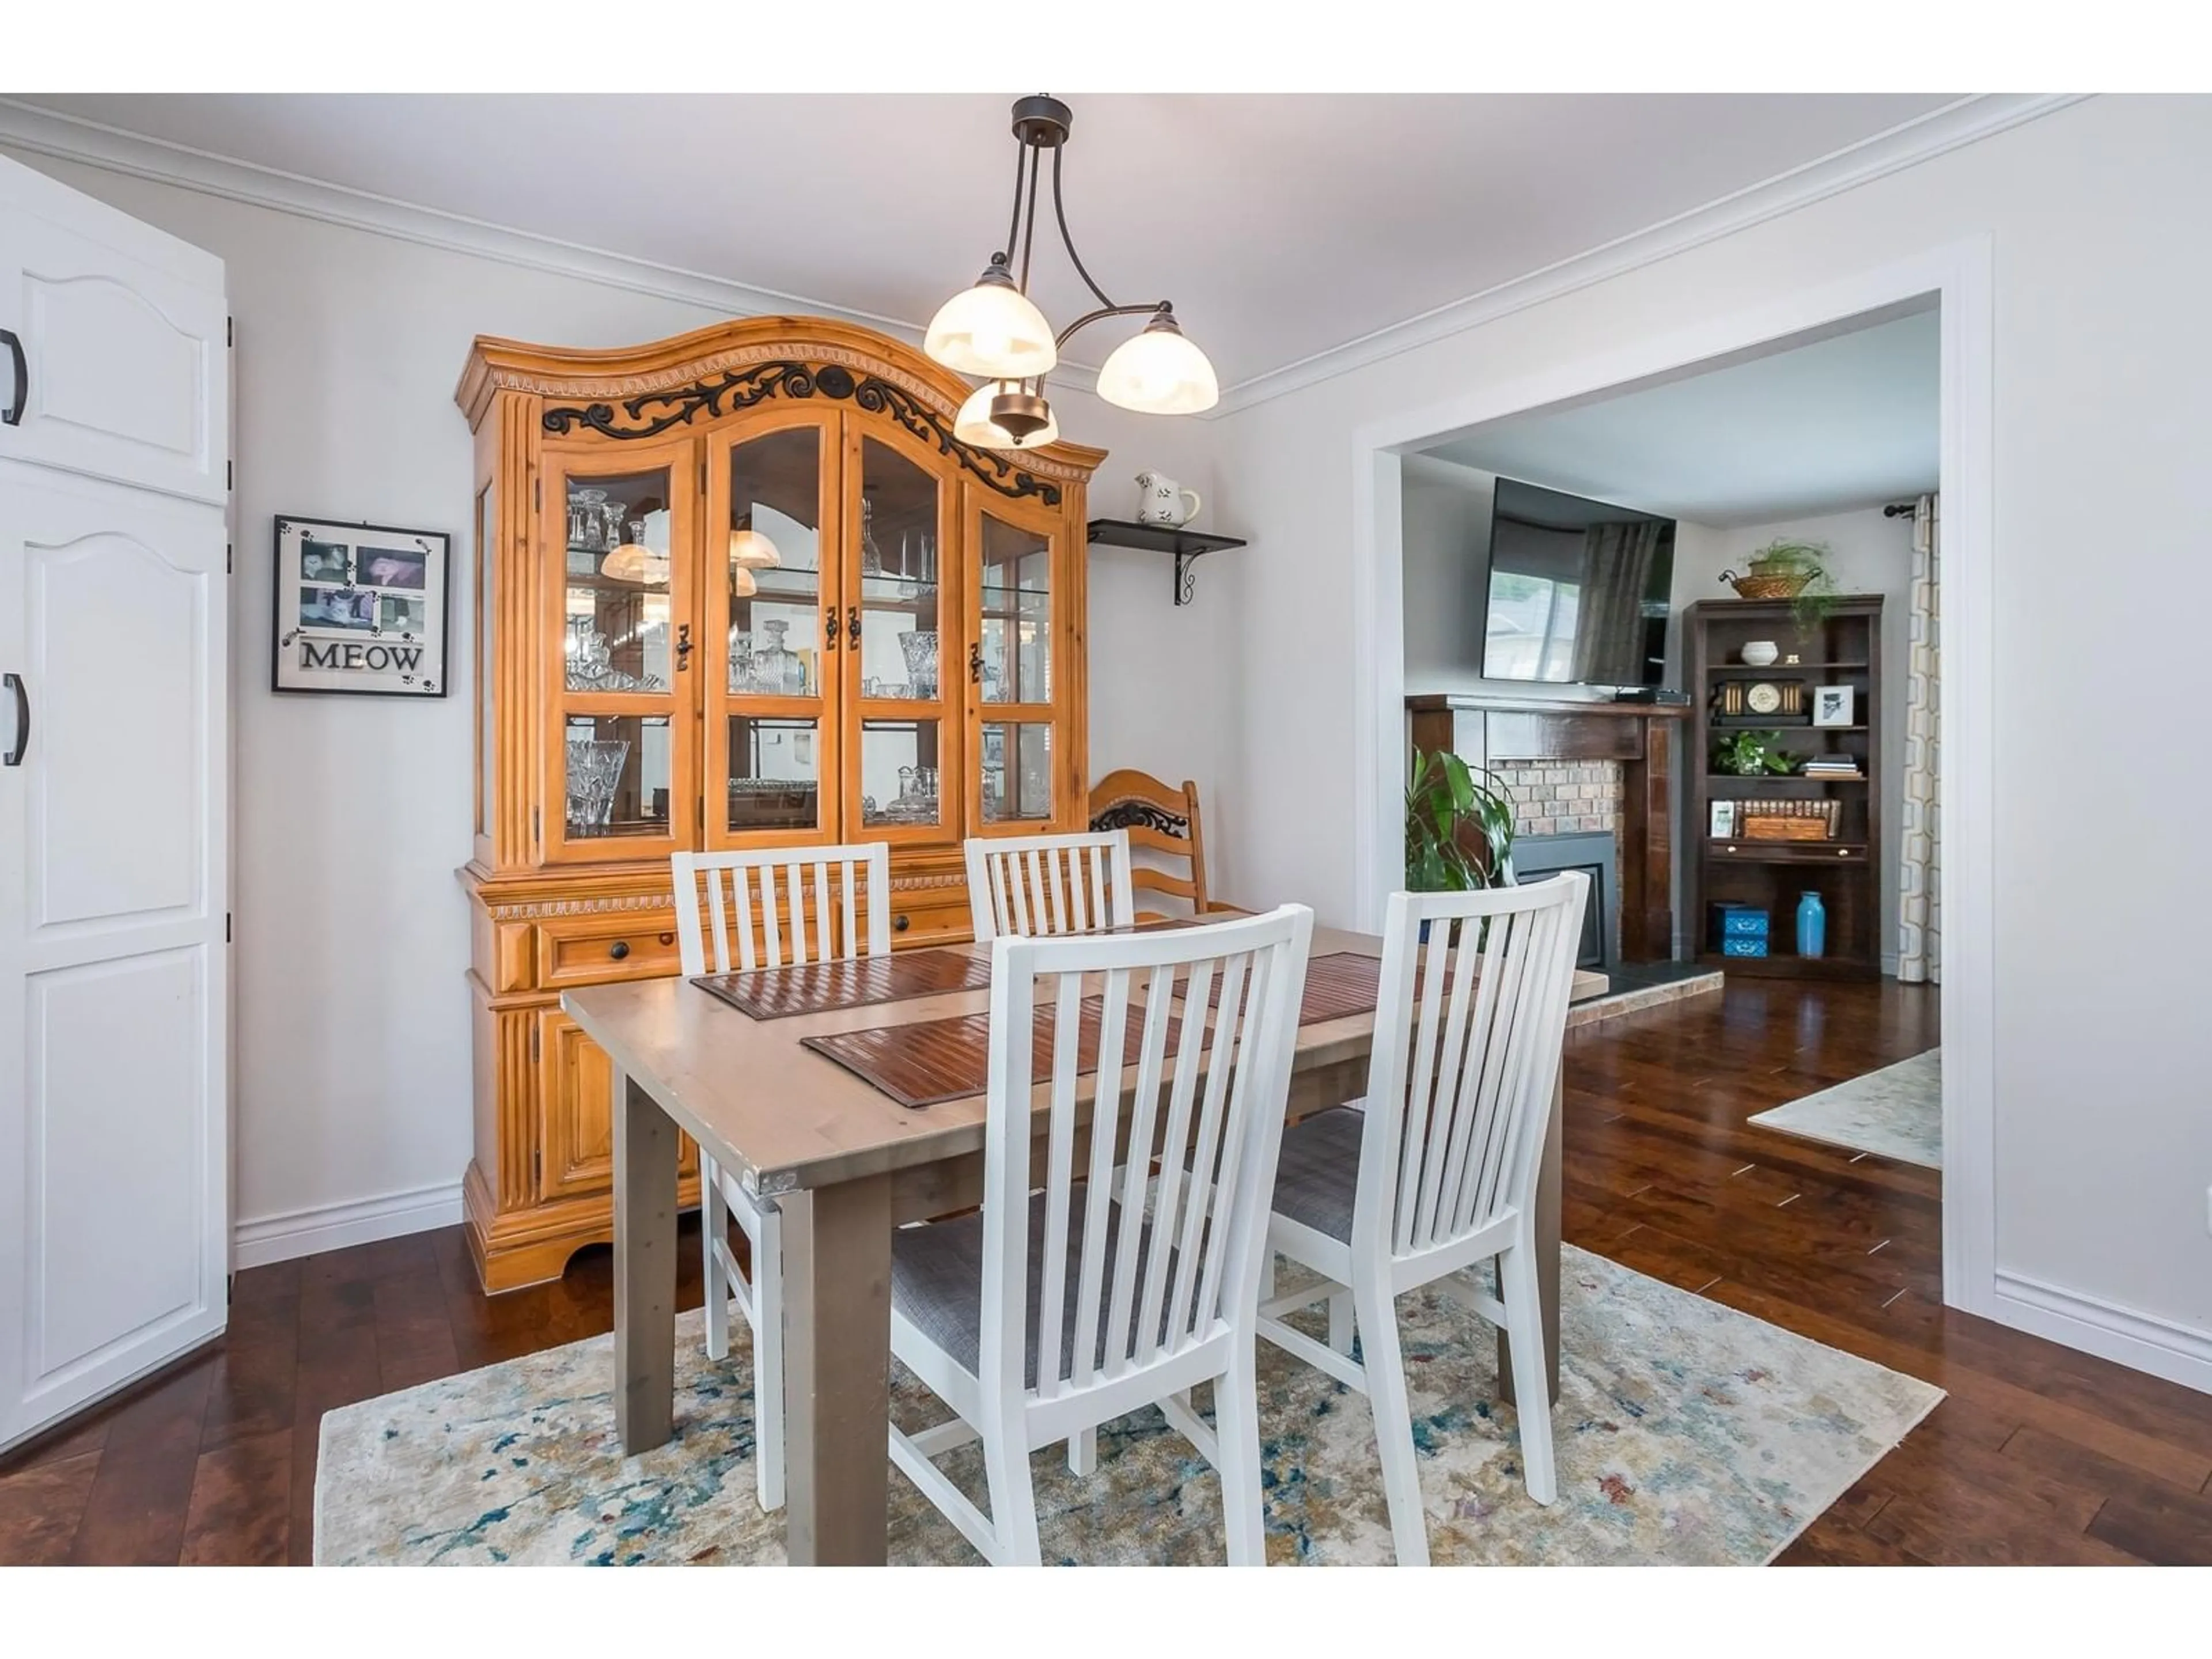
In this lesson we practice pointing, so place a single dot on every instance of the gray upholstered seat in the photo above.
(937, 1282)
(1318, 1173)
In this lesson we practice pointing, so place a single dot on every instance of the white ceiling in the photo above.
(1281, 226)
(1844, 422)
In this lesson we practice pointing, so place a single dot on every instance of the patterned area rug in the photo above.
(1897, 1112)
(1688, 1433)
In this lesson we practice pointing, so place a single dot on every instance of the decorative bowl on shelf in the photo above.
(1761, 652)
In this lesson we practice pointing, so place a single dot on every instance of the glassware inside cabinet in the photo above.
(774, 565)
(617, 595)
(1016, 771)
(899, 773)
(775, 773)
(1017, 614)
(902, 633)
(618, 772)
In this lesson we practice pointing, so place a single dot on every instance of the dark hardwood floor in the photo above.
(2038, 1454)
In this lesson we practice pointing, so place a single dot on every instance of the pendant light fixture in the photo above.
(994, 330)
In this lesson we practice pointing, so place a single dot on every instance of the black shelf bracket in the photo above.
(1186, 545)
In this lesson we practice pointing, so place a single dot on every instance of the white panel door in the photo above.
(112, 343)
(113, 1154)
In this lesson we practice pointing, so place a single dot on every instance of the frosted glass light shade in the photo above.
(1159, 372)
(992, 329)
(974, 424)
(634, 561)
(751, 550)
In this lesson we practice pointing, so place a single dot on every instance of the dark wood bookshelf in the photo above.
(1843, 648)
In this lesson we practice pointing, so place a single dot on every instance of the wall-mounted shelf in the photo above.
(1185, 544)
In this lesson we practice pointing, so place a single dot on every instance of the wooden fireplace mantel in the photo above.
(1639, 737)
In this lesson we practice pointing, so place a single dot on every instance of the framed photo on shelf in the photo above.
(360, 609)
(1724, 821)
(1832, 705)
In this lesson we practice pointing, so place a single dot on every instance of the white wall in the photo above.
(1446, 534)
(1868, 554)
(353, 813)
(2104, 407)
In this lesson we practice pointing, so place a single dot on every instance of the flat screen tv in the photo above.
(1577, 589)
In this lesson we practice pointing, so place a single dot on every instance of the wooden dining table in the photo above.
(845, 1165)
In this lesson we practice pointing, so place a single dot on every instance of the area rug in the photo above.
(1687, 1432)
(1897, 1112)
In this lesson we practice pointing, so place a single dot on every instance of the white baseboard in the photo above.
(270, 1238)
(2140, 1341)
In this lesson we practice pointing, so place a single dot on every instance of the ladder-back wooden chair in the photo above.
(1438, 1175)
(734, 912)
(1081, 1292)
(1166, 837)
(1038, 885)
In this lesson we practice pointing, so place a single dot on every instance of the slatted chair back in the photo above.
(1465, 1062)
(1037, 885)
(738, 911)
(1167, 841)
(1134, 1274)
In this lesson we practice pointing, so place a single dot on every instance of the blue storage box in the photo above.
(1742, 922)
(1743, 929)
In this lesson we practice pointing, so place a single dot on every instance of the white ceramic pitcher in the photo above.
(1162, 500)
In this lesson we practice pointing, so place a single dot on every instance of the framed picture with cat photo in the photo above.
(360, 609)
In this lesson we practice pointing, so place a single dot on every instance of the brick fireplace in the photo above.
(1562, 798)
(1582, 775)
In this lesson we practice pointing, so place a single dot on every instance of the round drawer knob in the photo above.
(619, 949)
(899, 923)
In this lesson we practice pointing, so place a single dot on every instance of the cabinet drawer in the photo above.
(1787, 852)
(934, 916)
(595, 949)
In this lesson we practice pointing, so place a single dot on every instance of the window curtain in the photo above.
(1919, 887)
(1609, 628)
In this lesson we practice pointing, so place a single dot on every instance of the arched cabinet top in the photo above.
(663, 388)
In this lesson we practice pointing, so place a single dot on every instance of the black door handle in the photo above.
(853, 623)
(14, 682)
(13, 414)
(830, 628)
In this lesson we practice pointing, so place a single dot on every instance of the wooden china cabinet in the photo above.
(911, 670)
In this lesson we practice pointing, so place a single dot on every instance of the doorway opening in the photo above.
(1456, 611)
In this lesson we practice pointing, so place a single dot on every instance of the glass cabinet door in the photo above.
(1015, 668)
(621, 762)
(772, 616)
(902, 644)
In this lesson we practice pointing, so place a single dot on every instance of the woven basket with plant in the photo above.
(1788, 570)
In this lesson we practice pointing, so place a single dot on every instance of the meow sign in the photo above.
(360, 608)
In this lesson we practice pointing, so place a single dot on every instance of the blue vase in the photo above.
(1811, 926)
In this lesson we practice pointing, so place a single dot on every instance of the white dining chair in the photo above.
(1042, 886)
(1436, 1173)
(1037, 885)
(1079, 1292)
(775, 910)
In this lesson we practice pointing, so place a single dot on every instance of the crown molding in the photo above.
(93, 143)
(1963, 122)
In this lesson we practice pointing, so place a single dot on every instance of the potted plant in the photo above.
(1752, 755)
(1459, 827)
(1796, 571)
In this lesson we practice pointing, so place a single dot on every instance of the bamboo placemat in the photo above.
(821, 987)
(938, 1059)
